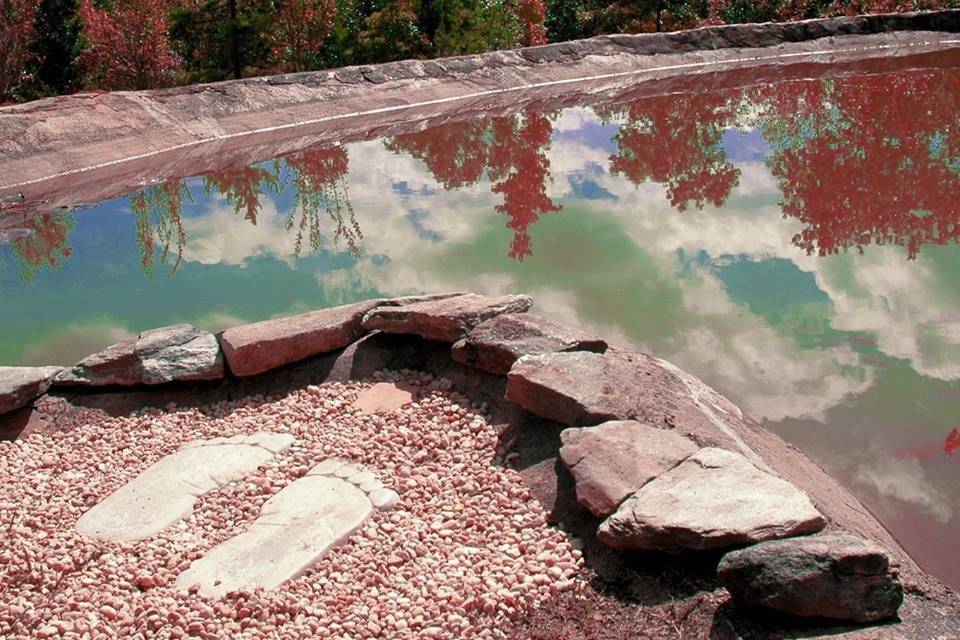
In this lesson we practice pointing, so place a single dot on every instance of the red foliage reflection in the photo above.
(511, 149)
(321, 187)
(952, 442)
(47, 243)
(242, 186)
(676, 141)
(869, 159)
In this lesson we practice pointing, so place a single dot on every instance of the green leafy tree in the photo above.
(563, 20)
(54, 48)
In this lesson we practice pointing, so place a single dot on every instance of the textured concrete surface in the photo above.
(296, 527)
(166, 491)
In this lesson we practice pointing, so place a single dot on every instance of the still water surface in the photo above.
(792, 244)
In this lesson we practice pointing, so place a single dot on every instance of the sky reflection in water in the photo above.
(792, 244)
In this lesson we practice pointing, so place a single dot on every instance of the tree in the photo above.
(219, 39)
(16, 31)
(301, 31)
(563, 20)
(128, 45)
(54, 47)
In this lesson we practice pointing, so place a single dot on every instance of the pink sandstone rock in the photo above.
(20, 385)
(497, 343)
(714, 499)
(382, 397)
(446, 320)
(176, 353)
(254, 348)
(583, 389)
(611, 461)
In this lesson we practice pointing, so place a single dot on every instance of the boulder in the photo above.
(832, 575)
(714, 499)
(20, 385)
(584, 389)
(445, 320)
(261, 346)
(615, 459)
(496, 344)
(180, 353)
(254, 348)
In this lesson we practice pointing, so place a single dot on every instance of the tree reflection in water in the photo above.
(320, 178)
(860, 160)
(242, 187)
(158, 212)
(43, 241)
(512, 150)
(676, 141)
(868, 159)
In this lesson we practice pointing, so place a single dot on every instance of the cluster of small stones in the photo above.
(465, 549)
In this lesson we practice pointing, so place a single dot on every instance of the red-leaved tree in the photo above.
(128, 46)
(300, 32)
(16, 29)
(532, 14)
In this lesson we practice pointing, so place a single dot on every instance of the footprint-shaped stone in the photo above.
(166, 491)
(296, 527)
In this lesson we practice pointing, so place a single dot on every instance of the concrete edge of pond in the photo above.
(129, 136)
(355, 341)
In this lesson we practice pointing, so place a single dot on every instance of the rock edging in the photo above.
(651, 459)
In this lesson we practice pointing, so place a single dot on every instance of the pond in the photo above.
(793, 244)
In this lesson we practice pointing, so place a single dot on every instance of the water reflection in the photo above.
(676, 141)
(42, 242)
(512, 151)
(858, 161)
(793, 244)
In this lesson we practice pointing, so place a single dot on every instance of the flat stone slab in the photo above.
(496, 344)
(714, 499)
(447, 319)
(611, 461)
(254, 348)
(382, 397)
(167, 490)
(180, 353)
(830, 575)
(294, 530)
(19, 386)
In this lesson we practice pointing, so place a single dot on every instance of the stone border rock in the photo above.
(76, 135)
(660, 458)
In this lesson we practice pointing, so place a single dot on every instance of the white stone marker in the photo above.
(296, 527)
(167, 490)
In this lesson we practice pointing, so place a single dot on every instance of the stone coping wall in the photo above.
(80, 135)
(659, 461)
